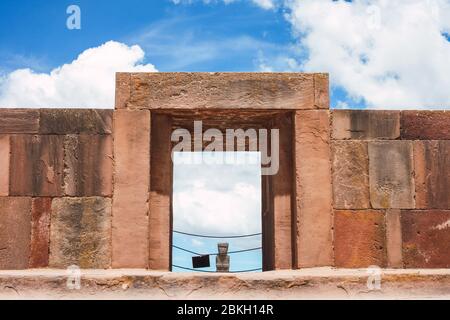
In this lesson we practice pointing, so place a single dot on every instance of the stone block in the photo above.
(131, 189)
(350, 175)
(221, 91)
(19, 121)
(391, 174)
(432, 174)
(425, 125)
(15, 228)
(365, 124)
(123, 90)
(40, 232)
(394, 239)
(4, 165)
(73, 121)
(321, 91)
(426, 238)
(314, 219)
(80, 233)
(36, 167)
(88, 165)
(359, 238)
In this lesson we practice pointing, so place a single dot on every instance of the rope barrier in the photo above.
(218, 237)
(197, 270)
(215, 254)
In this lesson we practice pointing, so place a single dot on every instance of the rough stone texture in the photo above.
(160, 193)
(321, 91)
(71, 121)
(425, 125)
(359, 238)
(394, 238)
(131, 189)
(350, 175)
(80, 233)
(15, 228)
(432, 174)
(88, 165)
(426, 238)
(391, 174)
(19, 120)
(40, 232)
(36, 165)
(282, 187)
(317, 283)
(221, 91)
(365, 124)
(123, 90)
(314, 218)
(4, 165)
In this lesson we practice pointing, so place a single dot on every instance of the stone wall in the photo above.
(93, 187)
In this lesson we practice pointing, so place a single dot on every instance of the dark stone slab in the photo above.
(71, 121)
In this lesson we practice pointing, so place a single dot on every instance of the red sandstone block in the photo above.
(4, 165)
(432, 174)
(36, 165)
(15, 228)
(19, 121)
(359, 238)
(221, 91)
(425, 125)
(321, 91)
(40, 232)
(350, 175)
(426, 238)
(394, 238)
(131, 189)
(88, 163)
(123, 89)
(314, 218)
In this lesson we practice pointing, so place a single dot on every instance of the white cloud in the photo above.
(86, 82)
(390, 53)
(264, 4)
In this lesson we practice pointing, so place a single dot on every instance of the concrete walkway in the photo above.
(316, 283)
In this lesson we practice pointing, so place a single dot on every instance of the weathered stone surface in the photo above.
(160, 193)
(88, 165)
(359, 238)
(350, 175)
(391, 174)
(123, 90)
(131, 189)
(425, 125)
(80, 233)
(432, 174)
(221, 91)
(314, 218)
(19, 121)
(321, 91)
(40, 232)
(15, 227)
(4, 165)
(283, 196)
(365, 124)
(394, 238)
(36, 165)
(426, 238)
(71, 121)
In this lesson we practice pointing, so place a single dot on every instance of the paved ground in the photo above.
(317, 283)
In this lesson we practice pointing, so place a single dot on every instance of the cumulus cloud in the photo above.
(87, 82)
(218, 199)
(391, 54)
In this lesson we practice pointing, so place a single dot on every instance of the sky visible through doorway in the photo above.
(219, 196)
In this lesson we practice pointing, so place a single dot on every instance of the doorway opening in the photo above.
(217, 198)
